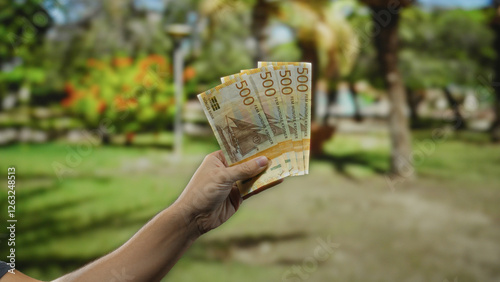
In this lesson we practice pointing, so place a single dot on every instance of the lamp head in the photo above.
(178, 31)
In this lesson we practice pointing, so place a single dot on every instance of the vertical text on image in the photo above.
(11, 220)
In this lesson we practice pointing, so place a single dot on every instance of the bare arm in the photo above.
(210, 198)
(148, 255)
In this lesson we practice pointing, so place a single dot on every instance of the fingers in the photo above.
(217, 155)
(235, 198)
(247, 169)
(265, 187)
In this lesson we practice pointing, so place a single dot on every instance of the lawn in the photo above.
(443, 226)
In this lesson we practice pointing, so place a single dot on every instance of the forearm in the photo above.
(210, 198)
(148, 255)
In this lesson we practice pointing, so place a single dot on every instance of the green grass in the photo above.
(441, 226)
(105, 198)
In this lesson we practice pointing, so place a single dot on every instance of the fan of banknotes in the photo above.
(263, 112)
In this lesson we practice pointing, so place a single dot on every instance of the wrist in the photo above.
(187, 217)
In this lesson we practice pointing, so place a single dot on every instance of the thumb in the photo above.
(247, 169)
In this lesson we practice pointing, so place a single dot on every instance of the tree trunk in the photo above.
(458, 121)
(357, 109)
(413, 102)
(495, 128)
(332, 95)
(386, 43)
(129, 138)
(321, 102)
(105, 138)
(310, 54)
(260, 19)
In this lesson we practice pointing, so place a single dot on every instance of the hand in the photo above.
(212, 197)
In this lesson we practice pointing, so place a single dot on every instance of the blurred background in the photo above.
(98, 113)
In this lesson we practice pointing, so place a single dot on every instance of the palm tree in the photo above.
(325, 38)
(261, 13)
(385, 20)
(323, 35)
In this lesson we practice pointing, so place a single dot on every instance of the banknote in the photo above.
(265, 82)
(264, 111)
(242, 130)
(304, 90)
(301, 75)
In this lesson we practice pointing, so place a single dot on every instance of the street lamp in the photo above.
(178, 32)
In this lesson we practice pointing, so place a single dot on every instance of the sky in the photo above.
(281, 33)
(466, 4)
(58, 15)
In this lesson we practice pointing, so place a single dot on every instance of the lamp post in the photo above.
(178, 32)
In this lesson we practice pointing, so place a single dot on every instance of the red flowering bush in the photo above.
(126, 94)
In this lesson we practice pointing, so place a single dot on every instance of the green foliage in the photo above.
(68, 223)
(224, 48)
(23, 74)
(22, 26)
(100, 30)
(439, 48)
(366, 66)
(286, 52)
(130, 95)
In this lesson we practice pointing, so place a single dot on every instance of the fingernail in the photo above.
(262, 161)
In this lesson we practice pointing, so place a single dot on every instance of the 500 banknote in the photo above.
(242, 130)
(263, 112)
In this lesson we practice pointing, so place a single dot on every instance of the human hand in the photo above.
(211, 196)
